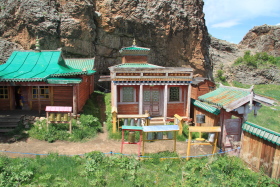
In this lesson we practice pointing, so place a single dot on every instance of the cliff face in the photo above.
(174, 30)
(259, 39)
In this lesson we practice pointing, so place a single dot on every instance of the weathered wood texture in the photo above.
(260, 154)
(210, 119)
(5, 104)
(84, 90)
(201, 88)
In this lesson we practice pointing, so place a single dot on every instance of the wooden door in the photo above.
(231, 132)
(151, 100)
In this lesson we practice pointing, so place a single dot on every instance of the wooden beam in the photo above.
(165, 99)
(75, 100)
(205, 129)
(141, 99)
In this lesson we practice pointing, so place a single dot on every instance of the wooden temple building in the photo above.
(138, 86)
(32, 80)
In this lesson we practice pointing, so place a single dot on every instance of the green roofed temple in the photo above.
(32, 80)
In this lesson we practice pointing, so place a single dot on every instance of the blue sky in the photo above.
(230, 20)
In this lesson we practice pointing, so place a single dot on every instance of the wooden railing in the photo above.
(180, 121)
(133, 117)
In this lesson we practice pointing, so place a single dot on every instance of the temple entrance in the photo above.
(151, 100)
(18, 98)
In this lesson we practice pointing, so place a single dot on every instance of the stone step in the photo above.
(6, 130)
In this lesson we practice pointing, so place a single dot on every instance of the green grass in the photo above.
(268, 116)
(97, 169)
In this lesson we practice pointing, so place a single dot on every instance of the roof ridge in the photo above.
(236, 88)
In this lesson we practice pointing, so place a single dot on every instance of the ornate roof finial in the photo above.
(134, 42)
(37, 44)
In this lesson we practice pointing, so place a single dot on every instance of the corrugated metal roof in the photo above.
(135, 48)
(137, 65)
(262, 132)
(58, 80)
(23, 66)
(223, 96)
(205, 106)
(76, 63)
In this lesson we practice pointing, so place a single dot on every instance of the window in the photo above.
(43, 92)
(127, 94)
(4, 92)
(174, 94)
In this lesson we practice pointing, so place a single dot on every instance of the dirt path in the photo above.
(100, 143)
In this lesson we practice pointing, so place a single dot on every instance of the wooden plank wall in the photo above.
(210, 119)
(63, 96)
(260, 154)
(84, 91)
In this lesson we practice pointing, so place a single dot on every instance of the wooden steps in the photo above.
(9, 122)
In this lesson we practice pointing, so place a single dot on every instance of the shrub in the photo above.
(257, 60)
(84, 128)
(220, 76)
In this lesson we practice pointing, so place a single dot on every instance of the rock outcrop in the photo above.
(259, 39)
(6, 48)
(174, 30)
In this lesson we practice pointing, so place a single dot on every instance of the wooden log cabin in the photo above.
(32, 80)
(138, 86)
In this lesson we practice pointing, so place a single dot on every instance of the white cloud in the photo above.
(218, 11)
(278, 24)
(225, 24)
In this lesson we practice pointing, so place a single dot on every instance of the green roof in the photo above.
(36, 66)
(58, 80)
(224, 96)
(205, 106)
(135, 50)
(83, 63)
(137, 65)
(262, 132)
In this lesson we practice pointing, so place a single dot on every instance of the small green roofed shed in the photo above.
(228, 98)
(34, 66)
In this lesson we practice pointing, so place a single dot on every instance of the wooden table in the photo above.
(160, 128)
(132, 128)
(214, 129)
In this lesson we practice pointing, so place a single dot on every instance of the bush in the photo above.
(257, 60)
(220, 76)
(84, 128)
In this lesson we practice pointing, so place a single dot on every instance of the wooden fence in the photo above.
(261, 150)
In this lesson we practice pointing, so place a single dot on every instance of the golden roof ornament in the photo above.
(134, 42)
(37, 45)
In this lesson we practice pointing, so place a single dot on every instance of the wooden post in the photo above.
(39, 100)
(180, 119)
(189, 145)
(147, 122)
(165, 102)
(75, 100)
(174, 141)
(47, 121)
(141, 100)
(114, 116)
(70, 123)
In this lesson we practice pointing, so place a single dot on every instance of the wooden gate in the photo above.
(231, 133)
